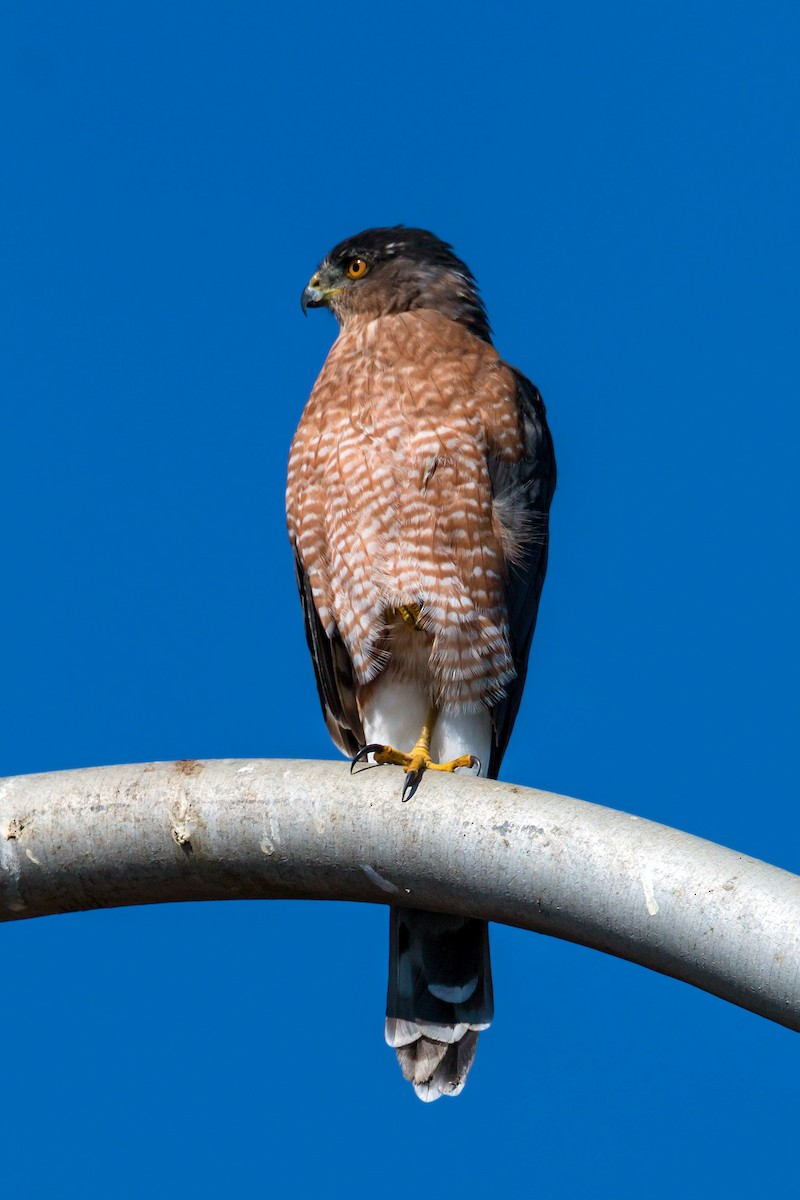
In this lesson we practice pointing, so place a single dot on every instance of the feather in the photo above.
(439, 997)
(333, 672)
(524, 490)
(436, 1068)
(420, 1059)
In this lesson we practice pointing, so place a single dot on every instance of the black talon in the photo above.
(410, 786)
(363, 753)
(476, 762)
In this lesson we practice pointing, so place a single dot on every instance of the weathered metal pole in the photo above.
(147, 834)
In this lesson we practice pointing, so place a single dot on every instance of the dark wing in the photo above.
(527, 488)
(333, 671)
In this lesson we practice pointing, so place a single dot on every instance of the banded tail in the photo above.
(439, 997)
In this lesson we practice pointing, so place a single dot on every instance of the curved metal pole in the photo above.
(146, 834)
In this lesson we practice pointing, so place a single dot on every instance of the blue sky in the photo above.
(623, 180)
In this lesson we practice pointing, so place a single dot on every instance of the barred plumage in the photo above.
(420, 477)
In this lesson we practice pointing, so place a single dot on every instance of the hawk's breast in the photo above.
(389, 501)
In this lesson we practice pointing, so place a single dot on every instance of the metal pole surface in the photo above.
(267, 829)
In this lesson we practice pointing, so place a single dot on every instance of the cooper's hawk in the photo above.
(420, 481)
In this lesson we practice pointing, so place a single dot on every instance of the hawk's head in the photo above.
(394, 270)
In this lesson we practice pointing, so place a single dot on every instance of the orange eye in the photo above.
(357, 268)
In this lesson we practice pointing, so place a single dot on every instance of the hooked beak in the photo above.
(313, 295)
(316, 293)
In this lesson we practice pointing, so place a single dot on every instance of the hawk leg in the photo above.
(418, 761)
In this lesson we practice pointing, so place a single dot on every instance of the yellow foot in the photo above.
(410, 614)
(414, 764)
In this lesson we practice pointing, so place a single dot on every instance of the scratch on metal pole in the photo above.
(385, 885)
(10, 868)
(649, 893)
